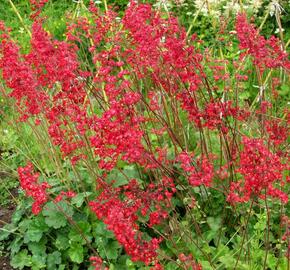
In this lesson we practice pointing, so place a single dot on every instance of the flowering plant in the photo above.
(150, 124)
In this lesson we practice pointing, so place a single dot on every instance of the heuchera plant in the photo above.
(147, 93)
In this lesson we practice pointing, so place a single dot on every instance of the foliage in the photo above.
(50, 241)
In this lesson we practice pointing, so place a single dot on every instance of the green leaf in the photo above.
(271, 261)
(209, 235)
(76, 236)
(53, 259)
(129, 264)
(6, 231)
(15, 246)
(17, 215)
(227, 260)
(221, 251)
(260, 226)
(118, 178)
(38, 262)
(24, 225)
(35, 230)
(76, 253)
(244, 95)
(62, 241)
(38, 248)
(131, 172)
(112, 250)
(55, 214)
(121, 178)
(214, 223)
(171, 266)
(61, 267)
(100, 230)
(54, 219)
(80, 198)
(284, 90)
(21, 259)
(206, 265)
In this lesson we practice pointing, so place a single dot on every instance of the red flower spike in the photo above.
(266, 53)
(30, 184)
(261, 171)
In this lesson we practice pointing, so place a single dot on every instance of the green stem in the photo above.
(19, 17)
(193, 21)
(105, 5)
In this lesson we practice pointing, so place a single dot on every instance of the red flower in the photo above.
(266, 53)
(261, 171)
(30, 184)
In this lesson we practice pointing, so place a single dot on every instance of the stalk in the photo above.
(19, 17)
(244, 234)
(267, 235)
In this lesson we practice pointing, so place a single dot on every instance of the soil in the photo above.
(5, 217)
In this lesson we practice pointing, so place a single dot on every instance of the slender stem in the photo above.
(244, 234)
(194, 19)
(267, 235)
(105, 5)
(19, 17)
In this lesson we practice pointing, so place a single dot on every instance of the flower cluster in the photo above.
(277, 131)
(200, 170)
(189, 262)
(30, 184)
(36, 6)
(97, 262)
(63, 195)
(261, 170)
(266, 53)
(160, 50)
(21, 79)
(121, 216)
(215, 114)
